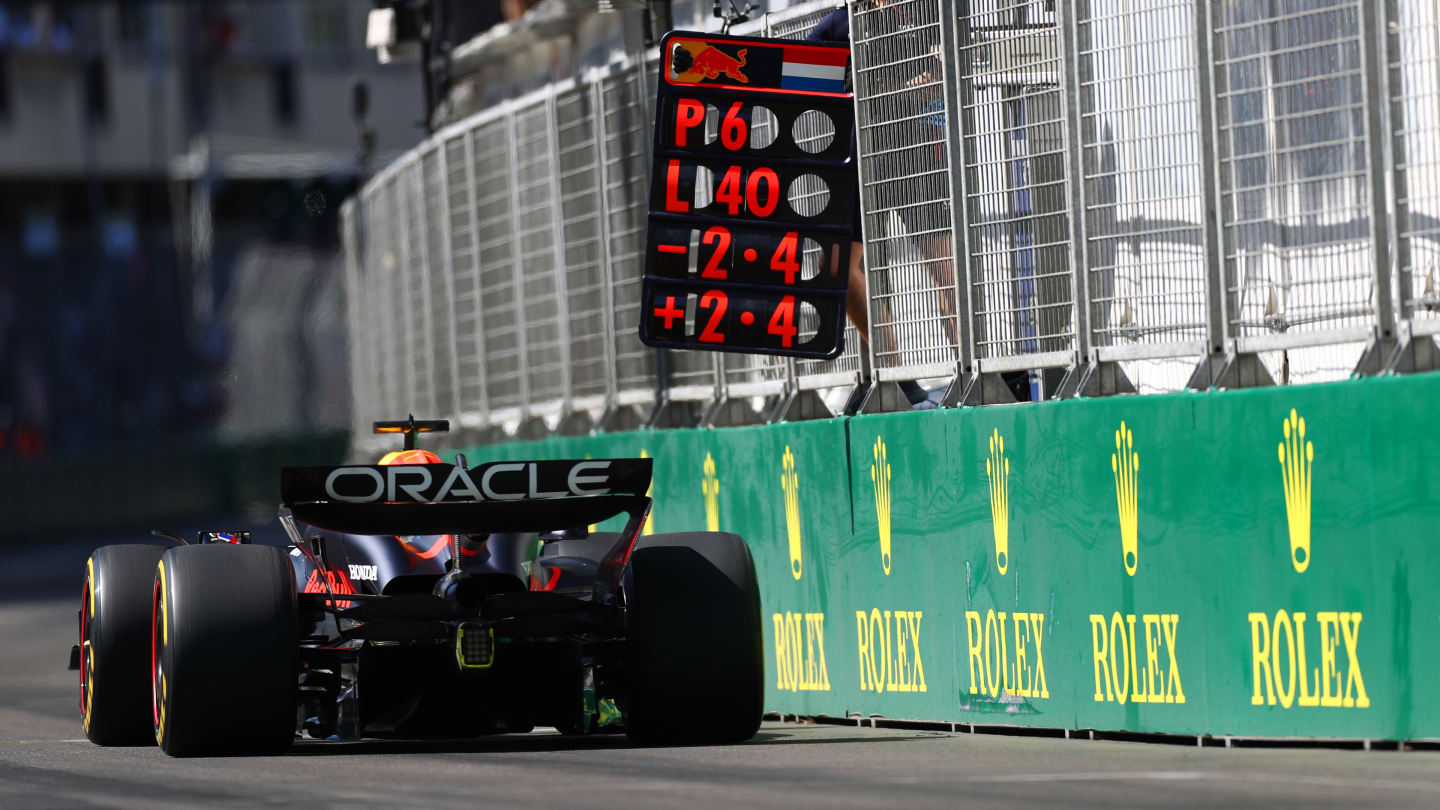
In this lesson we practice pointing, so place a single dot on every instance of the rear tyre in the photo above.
(694, 644)
(115, 644)
(224, 638)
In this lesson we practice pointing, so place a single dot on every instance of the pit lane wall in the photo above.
(1251, 563)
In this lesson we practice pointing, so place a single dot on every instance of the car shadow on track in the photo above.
(522, 743)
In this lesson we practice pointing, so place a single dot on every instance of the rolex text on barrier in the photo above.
(749, 229)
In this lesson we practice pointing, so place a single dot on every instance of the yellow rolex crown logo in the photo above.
(1125, 464)
(790, 483)
(710, 486)
(1297, 456)
(880, 477)
(997, 470)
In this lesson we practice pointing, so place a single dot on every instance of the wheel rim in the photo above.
(86, 689)
(157, 671)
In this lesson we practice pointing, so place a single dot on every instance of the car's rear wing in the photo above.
(501, 496)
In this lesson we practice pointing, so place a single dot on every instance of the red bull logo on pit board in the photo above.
(693, 61)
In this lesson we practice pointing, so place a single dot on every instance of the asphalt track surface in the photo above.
(46, 762)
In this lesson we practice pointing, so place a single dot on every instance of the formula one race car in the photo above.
(423, 600)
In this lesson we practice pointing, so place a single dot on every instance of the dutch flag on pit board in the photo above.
(814, 70)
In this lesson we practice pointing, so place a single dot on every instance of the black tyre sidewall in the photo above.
(695, 658)
(119, 584)
(229, 651)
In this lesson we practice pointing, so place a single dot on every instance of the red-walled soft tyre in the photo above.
(224, 650)
(115, 617)
(694, 658)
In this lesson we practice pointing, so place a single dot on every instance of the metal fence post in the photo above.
(396, 315)
(1395, 156)
(350, 244)
(474, 224)
(971, 386)
(1217, 343)
(401, 198)
(439, 343)
(380, 339)
(1071, 87)
(422, 354)
(1088, 376)
(612, 383)
(571, 422)
(516, 250)
(867, 356)
(1416, 350)
(963, 389)
(1225, 365)
(398, 318)
(401, 378)
(448, 266)
(1379, 159)
(366, 321)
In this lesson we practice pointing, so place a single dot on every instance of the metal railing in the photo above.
(1162, 191)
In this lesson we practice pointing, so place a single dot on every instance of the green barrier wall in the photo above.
(1251, 563)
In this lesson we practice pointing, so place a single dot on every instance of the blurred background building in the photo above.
(169, 179)
(170, 174)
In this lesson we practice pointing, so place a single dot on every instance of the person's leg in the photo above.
(855, 291)
(941, 264)
(856, 307)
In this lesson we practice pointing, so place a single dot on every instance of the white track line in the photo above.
(38, 742)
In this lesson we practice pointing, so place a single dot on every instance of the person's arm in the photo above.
(834, 27)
